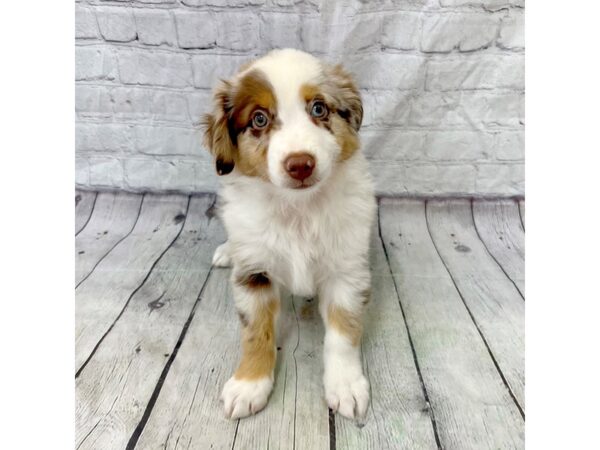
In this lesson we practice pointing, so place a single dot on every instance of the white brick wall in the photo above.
(442, 83)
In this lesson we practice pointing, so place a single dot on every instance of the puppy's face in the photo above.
(286, 118)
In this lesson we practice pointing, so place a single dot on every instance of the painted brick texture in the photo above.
(442, 83)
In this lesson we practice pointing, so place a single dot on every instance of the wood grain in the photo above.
(471, 405)
(101, 298)
(522, 212)
(492, 299)
(114, 217)
(398, 416)
(84, 205)
(114, 389)
(498, 224)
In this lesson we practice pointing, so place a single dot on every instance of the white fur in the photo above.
(242, 398)
(312, 240)
(221, 257)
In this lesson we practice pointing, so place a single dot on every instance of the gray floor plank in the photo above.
(84, 204)
(117, 383)
(188, 412)
(493, 300)
(470, 402)
(100, 298)
(398, 417)
(498, 224)
(522, 212)
(113, 218)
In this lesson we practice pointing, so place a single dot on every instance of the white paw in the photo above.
(347, 394)
(243, 398)
(221, 257)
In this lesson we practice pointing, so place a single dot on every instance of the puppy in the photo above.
(297, 203)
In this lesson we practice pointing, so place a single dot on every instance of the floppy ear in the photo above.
(218, 136)
(351, 108)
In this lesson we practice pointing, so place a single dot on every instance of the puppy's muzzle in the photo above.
(299, 166)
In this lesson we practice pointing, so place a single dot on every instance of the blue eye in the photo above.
(259, 120)
(318, 110)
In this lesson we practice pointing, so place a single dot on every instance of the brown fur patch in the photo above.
(345, 322)
(258, 344)
(254, 280)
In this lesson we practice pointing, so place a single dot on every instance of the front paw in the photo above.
(347, 393)
(244, 397)
(221, 256)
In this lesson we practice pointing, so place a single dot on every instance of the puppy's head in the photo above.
(286, 118)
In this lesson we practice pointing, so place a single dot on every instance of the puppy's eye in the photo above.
(318, 110)
(259, 120)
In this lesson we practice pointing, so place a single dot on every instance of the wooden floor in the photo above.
(157, 334)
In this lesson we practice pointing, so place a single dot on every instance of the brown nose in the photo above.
(299, 166)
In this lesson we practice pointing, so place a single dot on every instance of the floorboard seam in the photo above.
(117, 243)
(137, 432)
(504, 380)
(410, 341)
(90, 216)
(88, 359)
(490, 253)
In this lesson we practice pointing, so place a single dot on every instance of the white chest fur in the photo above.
(300, 238)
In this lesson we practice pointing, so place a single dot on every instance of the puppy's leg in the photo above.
(342, 304)
(257, 303)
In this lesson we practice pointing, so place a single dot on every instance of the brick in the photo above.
(196, 29)
(238, 31)
(347, 35)
(463, 31)
(149, 104)
(490, 5)
(82, 172)
(500, 179)
(458, 145)
(105, 137)
(116, 24)
(155, 27)
(222, 3)
(510, 146)
(468, 109)
(209, 69)
(86, 26)
(166, 175)
(387, 71)
(280, 30)
(159, 69)
(392, 145)
(512, 32)
(94, 63)
(199, 103)
(481, 72)
(433, 179)
(106, 172)
(401, 31)
(385, 108)
(154, 140)
(92, 101)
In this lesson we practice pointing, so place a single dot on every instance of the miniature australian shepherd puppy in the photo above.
(297, 203)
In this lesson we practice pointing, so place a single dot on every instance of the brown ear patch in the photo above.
(345, 91)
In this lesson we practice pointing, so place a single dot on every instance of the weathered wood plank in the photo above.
(188, 412)
(100, 298)
(398, 417)
(84, 205)
(493, 300)
(114, 217)
(522, 212)
(114, 388)
(470, 402)
(498, 224)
